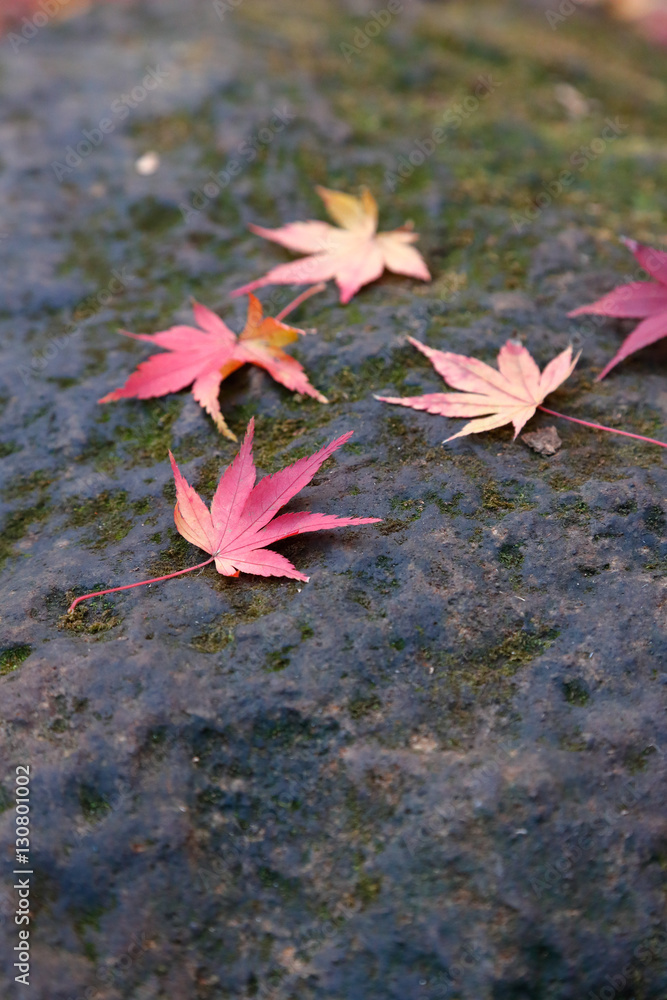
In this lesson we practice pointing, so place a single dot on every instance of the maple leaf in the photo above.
(637, 299)
(510, 394)
(354, 255)
(241, 521)
(205, 357)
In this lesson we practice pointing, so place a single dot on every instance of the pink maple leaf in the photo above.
(205, 357)
(354, 254)
(637, 299)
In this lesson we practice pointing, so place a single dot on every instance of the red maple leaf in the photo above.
(205, 357)
(354, 255)
(241, 521)
(637, 299)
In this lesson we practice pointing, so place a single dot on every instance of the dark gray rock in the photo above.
(437, 769)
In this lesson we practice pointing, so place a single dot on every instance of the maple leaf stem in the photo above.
(291, 306)
(601, 427)
(128, 586)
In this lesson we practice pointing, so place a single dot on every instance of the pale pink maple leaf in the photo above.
(354, 255)
(509, 394)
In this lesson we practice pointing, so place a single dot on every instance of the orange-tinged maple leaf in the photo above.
(241, 520)
(205, 357)
(509, 394)
(354, 255)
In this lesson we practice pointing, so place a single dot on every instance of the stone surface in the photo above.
(436, 770)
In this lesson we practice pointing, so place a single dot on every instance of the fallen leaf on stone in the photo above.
(510, 394)
(241, 521)
(545, 441)
(205, 357)
(637, 299)
(354, 255)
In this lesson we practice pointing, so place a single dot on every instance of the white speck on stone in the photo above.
(147, 164)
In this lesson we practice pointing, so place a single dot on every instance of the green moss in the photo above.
(576, 691)
(27, 484)
(408, 511)
(93, 617)
(278, 659)
(362, 705)
(146, 441)
(626, 508)
(214, 640)
(11, 657)
(88, 917)
(17, 525)
(495, 502)
(592, 570)
(5, 800)
(511, 556)
(368, 889)
(272, 879)
(179, 555)
(250, 599)
(574, 511)
(63, 382)
(286, 728)
(373, 374)
(108, 513)
(274, 435)
(404, 440)
(637, 760)
(8, 448)
(560, 482)
(154, 216)
(486, 674)
(148, 438)
(94, 805)
(573, 742)
(448, 507)
(654, 519)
